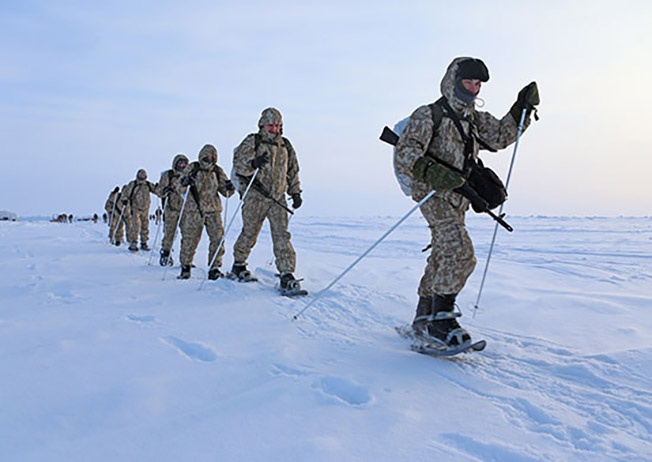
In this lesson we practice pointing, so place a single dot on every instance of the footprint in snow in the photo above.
(141, 318)
(192, 350)
(344, 390)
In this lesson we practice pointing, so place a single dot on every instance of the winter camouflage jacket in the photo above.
(137, 194)
(280, 175)
(207, 179)
(448, 144)
(169, 187)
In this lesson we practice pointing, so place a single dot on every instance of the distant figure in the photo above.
(136, 196)
(70, 218)
(114, 209)
(105, 217)
(170, 190)
(274, 158)
(429, 157)
(203, 208)
(95, 218)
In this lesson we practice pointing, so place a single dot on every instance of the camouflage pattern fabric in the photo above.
(280, 176)
(452, 257)
(137, 193)
(170, 189)
(208, 179)
(117, 225)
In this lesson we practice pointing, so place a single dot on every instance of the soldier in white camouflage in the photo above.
(273, 156)
(452, 258)
(113, 207)
(136, 197)
(204, 179)
(170, 189)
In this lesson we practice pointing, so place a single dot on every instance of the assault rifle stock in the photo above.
(479, 204)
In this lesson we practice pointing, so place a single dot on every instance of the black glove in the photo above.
(527, 98)
(229, 186)
(187, 181)
(296, 200)
(259, 161)
(124, 201)
(167, 190)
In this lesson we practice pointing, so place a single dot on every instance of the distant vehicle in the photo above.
(8, 216)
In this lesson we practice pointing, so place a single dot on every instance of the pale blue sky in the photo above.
(93, 91)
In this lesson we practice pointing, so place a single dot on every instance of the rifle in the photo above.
(261, 189)
(480, 205)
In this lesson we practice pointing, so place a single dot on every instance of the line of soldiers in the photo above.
(265, 170)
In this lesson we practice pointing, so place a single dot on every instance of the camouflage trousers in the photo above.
(254, 211)
(170, 223)
(452, 258)
(192, 225)
(116, 227)
(138, 223)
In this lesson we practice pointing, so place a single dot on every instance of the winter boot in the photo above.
(117, 243)
(239, 271)
(443, 325)
(214, 274)
(423, 315)
(185, 272)
(289, 283)
(144, 246)
(165, 259)
(133, 247)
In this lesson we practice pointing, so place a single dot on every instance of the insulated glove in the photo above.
(296, 200)
(124, 201)
(229, 186)
(259, 161)
(187, 181)
(436, 175)
(527, 98)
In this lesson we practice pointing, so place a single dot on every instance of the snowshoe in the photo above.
(166, 258)
(215, 274)
(144, 246)
(240, 273)
(185, 272)
(430, 346)
(291, 287)
(133, 247)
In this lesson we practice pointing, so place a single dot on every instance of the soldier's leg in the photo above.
(144, 226)
(170, 222)
(253, 215)
(215, 231)
(452, 258)
(192, 226)
(284, 253)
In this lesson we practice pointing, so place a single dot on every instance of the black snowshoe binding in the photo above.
(291, 287)
(166, 258)
(215, 274)
(436, 321)
(185, 272)
(240, 273)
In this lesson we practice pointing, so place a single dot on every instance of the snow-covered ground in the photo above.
(105, 357)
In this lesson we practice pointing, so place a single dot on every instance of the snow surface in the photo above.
(106, 357)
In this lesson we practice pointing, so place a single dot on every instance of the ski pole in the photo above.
(244, 196)
(493, 239)
(177, 226)
(158, 230)
(387, 233)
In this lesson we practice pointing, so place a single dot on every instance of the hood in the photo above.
(176, 159)
(449, 81)
(270, 116)
(141, 175)
(207, 156)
